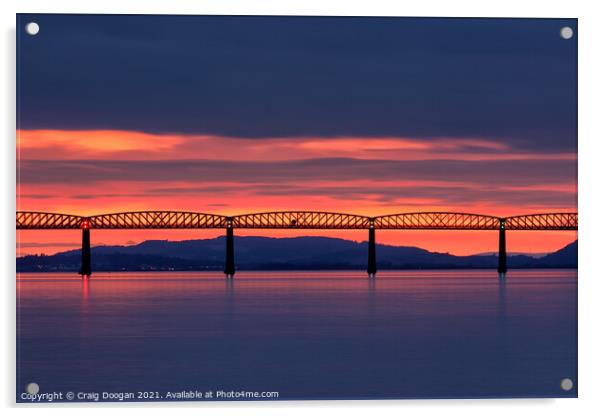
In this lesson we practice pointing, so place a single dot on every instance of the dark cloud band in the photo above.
(486, 173)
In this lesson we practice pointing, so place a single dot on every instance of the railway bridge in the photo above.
(315, 220)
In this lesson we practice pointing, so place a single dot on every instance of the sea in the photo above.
(305, 335)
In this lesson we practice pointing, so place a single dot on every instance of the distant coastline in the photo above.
(270, 254)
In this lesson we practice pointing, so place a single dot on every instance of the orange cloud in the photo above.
(129, 145)
(91, 143)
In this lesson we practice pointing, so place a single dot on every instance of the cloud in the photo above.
(512, 80)
(127, 145)
(489, 173)
(333, 184)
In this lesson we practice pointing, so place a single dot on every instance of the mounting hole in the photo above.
(566, 32)
(32, 28)
(566, 384)
(32, 388)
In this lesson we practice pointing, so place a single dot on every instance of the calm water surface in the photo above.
(318, 335)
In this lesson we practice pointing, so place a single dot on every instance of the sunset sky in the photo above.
(233, 115)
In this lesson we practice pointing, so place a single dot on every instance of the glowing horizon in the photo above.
(101, 171)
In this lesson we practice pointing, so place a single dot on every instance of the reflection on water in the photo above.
(303, 334)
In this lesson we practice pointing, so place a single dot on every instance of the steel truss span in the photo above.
(296, 220)
(47, 221)
(157, 220)
(301, 219)
(556, 221)
(437, 221)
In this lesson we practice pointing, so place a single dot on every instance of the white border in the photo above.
(590, 286)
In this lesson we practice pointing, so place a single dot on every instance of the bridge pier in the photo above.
(229, 270)
(371, 251)
(86, 266)
(502, 266)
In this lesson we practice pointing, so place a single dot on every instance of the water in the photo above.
(305, 335)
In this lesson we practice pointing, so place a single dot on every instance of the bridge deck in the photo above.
(26, 220)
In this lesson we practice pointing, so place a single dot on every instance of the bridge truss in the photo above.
(47, 221)
(555, 221)
(27, 220)
(157, 220)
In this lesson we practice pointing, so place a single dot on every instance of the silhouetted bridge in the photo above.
(294, 220)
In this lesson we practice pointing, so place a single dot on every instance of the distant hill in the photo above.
(565, 257)
(264, 253)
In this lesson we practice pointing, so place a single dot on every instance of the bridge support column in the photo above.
(229, 270)
(502, 266)
(86, 266)
(371, 251)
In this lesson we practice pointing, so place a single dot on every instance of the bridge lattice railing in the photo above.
(157, 220)
(301, 219)
(553, 221)
(27, 220)
(437, 221)
(294, 219)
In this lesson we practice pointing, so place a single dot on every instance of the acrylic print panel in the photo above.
(285, 208)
